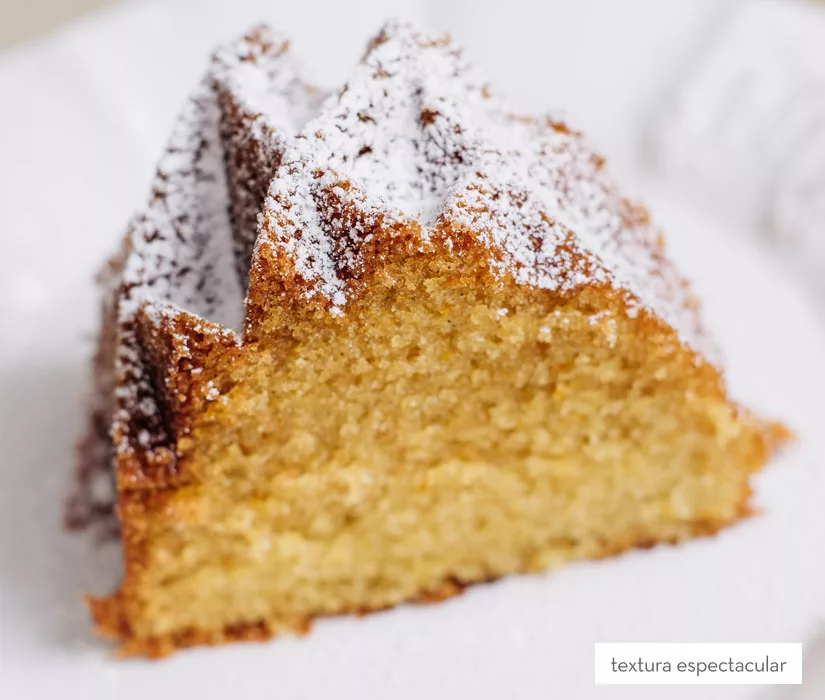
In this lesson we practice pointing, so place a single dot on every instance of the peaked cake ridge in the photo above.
(264, 102)
(415, 141)
(177, 249)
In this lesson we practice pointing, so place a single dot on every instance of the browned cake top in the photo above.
(415, 138)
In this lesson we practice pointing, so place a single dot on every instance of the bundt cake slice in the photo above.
(462, 354)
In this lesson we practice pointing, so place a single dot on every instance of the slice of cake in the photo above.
(370, 347)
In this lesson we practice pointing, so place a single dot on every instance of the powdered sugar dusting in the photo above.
(416, 137)
(178, 255)
(137, 422)
(266, 83)
(264, 103)
(180, 245)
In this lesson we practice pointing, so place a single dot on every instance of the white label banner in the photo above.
(698, 664)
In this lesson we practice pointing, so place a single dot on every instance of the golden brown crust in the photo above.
(111, 621)
(185, 356)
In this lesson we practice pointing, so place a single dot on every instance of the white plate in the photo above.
(528, 636)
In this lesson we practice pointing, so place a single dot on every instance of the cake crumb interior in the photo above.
(451, 428)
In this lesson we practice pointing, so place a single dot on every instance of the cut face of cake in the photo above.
(372, 346)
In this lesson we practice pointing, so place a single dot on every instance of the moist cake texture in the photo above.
(371, 346)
